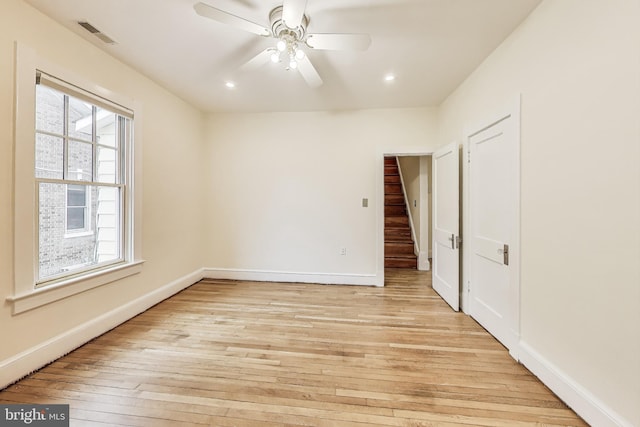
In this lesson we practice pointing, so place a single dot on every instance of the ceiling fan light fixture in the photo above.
(299, 54)
(282, 45)
(293, 64)
(275, 57)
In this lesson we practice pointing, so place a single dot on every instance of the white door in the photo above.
(493, 220)
(446, 264)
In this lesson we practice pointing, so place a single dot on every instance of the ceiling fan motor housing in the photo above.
(280, 30)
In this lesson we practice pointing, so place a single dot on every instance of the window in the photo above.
(77, 209)
(77, 221)
(79, 148)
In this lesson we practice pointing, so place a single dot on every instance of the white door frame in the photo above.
(511, 109)
(425, 236)
(380, 205)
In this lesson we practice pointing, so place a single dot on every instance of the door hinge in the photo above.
(458, 241)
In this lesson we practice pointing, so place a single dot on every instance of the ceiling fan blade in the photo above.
(309, 73)
(292, 12)
(258, 61)
(339, 41)
(211, 12)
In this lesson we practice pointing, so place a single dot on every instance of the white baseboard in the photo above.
(22, 364)
(582, 401)
(284, 276)
(423, 261)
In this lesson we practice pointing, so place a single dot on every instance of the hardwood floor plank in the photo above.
(235, 353)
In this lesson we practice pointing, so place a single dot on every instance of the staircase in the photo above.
(398, 244)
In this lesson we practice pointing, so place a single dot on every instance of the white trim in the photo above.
(465, 304)
(380, 221)
(380, 205)
(593, 410)
(516, 111)
(25, 245)
(287, 276)
(73, 235)
(16, 367)
(71, 286)
(423, 261)
(425, 214)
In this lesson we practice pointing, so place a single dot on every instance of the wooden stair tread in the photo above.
(395, 210)
(395, 200)
(398, 249)
(393, 189)
(400, 263)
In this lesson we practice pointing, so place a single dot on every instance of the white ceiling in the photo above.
(430, 45)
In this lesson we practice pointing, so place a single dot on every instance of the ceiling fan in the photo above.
(288, 25)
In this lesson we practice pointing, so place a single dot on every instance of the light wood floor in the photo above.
(225, 353)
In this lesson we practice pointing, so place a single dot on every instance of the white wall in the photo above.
(172, 136)
(577, 65)
(410, 167)
(287, 188)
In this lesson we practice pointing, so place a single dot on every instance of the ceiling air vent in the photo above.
(93, 30)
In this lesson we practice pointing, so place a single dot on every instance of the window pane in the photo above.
(56, 253)
(108, 220)
(107, 165)
(106, 128)
(80, 119)
(80, 161)
(76, 195)
(75, 218)
(49, 110)
(49, 156)
(61, 251)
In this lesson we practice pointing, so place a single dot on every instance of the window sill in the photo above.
(42, 296)
(74, 234)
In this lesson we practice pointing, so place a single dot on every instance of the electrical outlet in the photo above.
(343, 251)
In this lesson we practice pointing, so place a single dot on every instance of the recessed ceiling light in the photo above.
(389, 78)
(230, 85)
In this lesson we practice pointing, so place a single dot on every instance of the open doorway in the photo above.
(407, 211)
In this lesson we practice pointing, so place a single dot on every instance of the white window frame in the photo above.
(26, 295)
